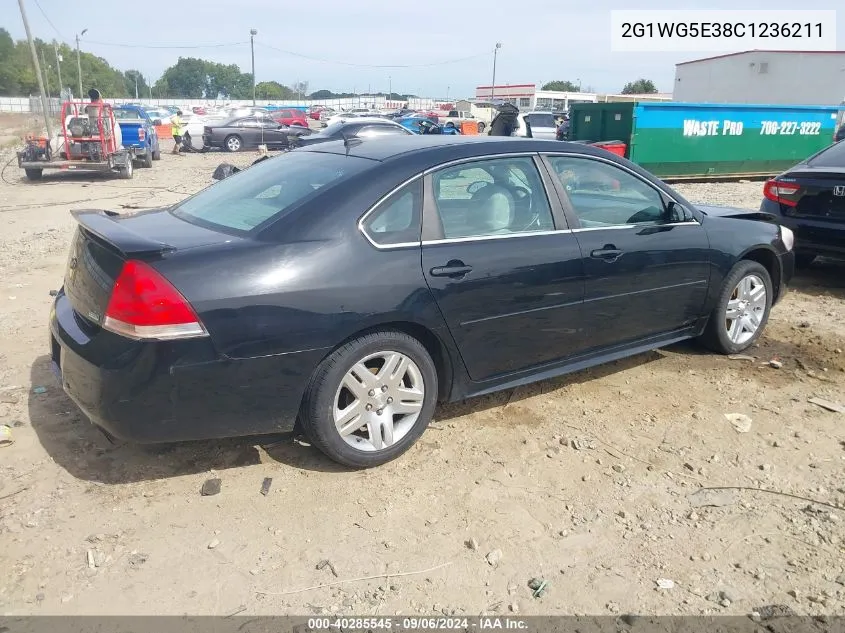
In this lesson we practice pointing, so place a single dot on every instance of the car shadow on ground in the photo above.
(79, 447)
(824, 277)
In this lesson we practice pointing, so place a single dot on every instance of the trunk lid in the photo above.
(821, 195)
(104, 240)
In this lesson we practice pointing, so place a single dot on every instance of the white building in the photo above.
(526, 97)
(764, 77)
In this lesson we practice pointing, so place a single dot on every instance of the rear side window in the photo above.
(396, 220)
(833, 156)
(267, 191)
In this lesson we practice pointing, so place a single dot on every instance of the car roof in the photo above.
(438, 148)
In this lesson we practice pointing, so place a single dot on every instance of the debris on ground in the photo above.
(471, 544)
(775, 364)
(6, 438)
(265, 485)
(827, 404)
(740, 422)
(214, 543)
(494, 557)
(665, 583)
(538, 586)
(326, 563)
(741, 357)
(40, 390)
(582, 444)
(211, 487)
(769, 611)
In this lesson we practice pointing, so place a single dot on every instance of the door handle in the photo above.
(607, 253)
(452, 269)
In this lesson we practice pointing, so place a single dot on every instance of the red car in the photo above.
(315, 112)
(290, 117)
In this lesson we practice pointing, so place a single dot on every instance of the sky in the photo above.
(445, 46)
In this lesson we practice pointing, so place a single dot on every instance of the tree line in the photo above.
(638, 87)
(188, 78)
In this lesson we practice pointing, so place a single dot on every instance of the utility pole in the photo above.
(44, 106)
(390, 88)
(252, 34)
(136, 85)
(58, 68)
(493, 86)
(79, 61)
(46, 74)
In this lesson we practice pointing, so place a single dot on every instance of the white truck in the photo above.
(459, 116)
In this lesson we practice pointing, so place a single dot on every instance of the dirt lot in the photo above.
(587, 482)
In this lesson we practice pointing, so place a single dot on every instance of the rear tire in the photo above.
(34, 174)
(126, 172)
(383, 429)
(157, 154)
(148, 158)
(731, 327)
(233, 143)
(804, 260)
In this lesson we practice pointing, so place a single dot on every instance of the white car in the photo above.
(542, 125)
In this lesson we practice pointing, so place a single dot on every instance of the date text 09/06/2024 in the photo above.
(419, 624)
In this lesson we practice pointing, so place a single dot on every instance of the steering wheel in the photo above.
(477, 186)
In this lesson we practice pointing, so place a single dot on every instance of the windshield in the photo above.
(124, 115)
(331, 129)
(267, 191)
(833, 156)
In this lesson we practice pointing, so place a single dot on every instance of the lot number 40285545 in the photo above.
(788, 128)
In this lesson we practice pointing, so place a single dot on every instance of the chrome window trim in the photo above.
(476, 159)
(615, 227)
(630, 172)
(363, 219)
(482, 238)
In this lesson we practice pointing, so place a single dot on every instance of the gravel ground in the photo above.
(597, 483)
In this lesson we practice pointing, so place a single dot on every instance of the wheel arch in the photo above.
(434, 345)
(768, 259)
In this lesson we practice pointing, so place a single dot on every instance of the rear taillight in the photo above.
(781, 192)
(145, 306)
(142, 134)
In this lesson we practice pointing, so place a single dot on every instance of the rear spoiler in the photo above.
(104, 226)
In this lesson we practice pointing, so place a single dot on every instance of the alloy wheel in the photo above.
(378, 401)
(746, 309)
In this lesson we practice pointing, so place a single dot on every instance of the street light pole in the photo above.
(252, 34)
(493, 87)
(37, 71)
(390, 88)
(79, 62)
(136, 85)
(58, 67)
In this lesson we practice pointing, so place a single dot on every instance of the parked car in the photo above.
(162, 114)
(290, 117)
(422, 125)
(541, 124)
(249, 132)
(352, 286)
(809, 198)
(358, 127)
(138, 132)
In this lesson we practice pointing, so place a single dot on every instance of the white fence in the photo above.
(32, 104)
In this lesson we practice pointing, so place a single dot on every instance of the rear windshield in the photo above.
(833, 156)
(541, 120)
(127, 115)
(267, 191)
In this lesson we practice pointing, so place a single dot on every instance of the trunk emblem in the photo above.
(839, 190)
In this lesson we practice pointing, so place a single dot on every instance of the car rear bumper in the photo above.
(173, 391)
(787, 270)
(816, 236)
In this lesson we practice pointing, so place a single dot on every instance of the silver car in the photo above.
(539, 125)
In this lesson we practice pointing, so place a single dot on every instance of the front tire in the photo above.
(742, 309)
(371, 399)
(148, 158)
(233, 143)
(34, 174)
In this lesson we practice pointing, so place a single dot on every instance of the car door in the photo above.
(274, 134)
(498, 258)
(646, 259)
(249, 129)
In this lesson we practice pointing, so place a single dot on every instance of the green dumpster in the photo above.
(700, 140)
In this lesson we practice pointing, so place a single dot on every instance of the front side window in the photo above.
(396, 220)
(267, 191)
(492, 197)
(603, 195)
(381, 130)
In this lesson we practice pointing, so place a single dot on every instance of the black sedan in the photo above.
(356, 127)
(810, 199)
(249, 132)
(352, 285)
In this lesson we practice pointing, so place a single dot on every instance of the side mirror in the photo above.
(156, 121)
(678, 213)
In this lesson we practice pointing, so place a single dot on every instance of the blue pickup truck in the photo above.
(138, 132)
